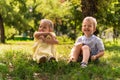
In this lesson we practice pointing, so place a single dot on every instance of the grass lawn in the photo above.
(16, 64)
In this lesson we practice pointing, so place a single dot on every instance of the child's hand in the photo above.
(50, 34)
(93, 58)
(48, 37)
(41, 37)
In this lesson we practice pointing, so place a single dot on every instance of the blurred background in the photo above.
(19, 19)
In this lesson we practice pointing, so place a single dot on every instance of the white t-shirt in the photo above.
(95, 43)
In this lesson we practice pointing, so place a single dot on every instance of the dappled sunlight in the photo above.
(17, 46)
(63, 51)
(112, 55)
(17, 61)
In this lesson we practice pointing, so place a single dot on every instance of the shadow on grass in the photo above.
(63, 71)
(24, 68)
(30, 70)
(112, 47)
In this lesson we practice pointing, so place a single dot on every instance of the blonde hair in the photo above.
(49, 22)
(91, 19)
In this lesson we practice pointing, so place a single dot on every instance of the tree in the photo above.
(15, 13)
(56, 11)
(75, 19)
(100, 9)
(89, 7)
(2, 35)
(115, 14)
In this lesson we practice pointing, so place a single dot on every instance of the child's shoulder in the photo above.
(80, 36)
(97, 38)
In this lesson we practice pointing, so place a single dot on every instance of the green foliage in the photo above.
(10, 32)
(64, 39)
(24, 15)
(3, 70)
(53, 9)
(21, 38)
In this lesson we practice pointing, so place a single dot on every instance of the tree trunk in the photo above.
(89, 7)
(2, 35)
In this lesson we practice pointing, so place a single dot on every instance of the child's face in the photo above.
(44, 27)
(88, 28)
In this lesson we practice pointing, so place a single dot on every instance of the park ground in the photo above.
(16, 64)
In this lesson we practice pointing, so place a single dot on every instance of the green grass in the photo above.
(16, 64)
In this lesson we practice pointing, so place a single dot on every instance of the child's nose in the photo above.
(86, 27)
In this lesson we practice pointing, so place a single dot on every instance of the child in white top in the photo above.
(45, 39)
(88, 46)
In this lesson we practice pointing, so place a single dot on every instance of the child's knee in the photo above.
(73, 59)
(78, 45)
(85, 47)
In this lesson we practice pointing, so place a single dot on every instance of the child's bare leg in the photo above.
(75, 52)
(86, 53)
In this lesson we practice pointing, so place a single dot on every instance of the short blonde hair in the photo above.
(49, 22)
(91, 19)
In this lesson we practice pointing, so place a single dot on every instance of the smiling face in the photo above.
(88, 27)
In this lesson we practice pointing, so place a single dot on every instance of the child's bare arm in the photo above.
(38, 34)
(43, 35)
(100, 54)
(51, 40)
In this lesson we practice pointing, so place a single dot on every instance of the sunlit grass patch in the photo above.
(16, 63)
(63, 51)
(16, 46)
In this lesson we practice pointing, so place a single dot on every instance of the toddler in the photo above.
(88, 46)
(44, 39)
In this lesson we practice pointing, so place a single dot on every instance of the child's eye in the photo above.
(40, 26)
(84, 25)
(44, 27)
(89, 25)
